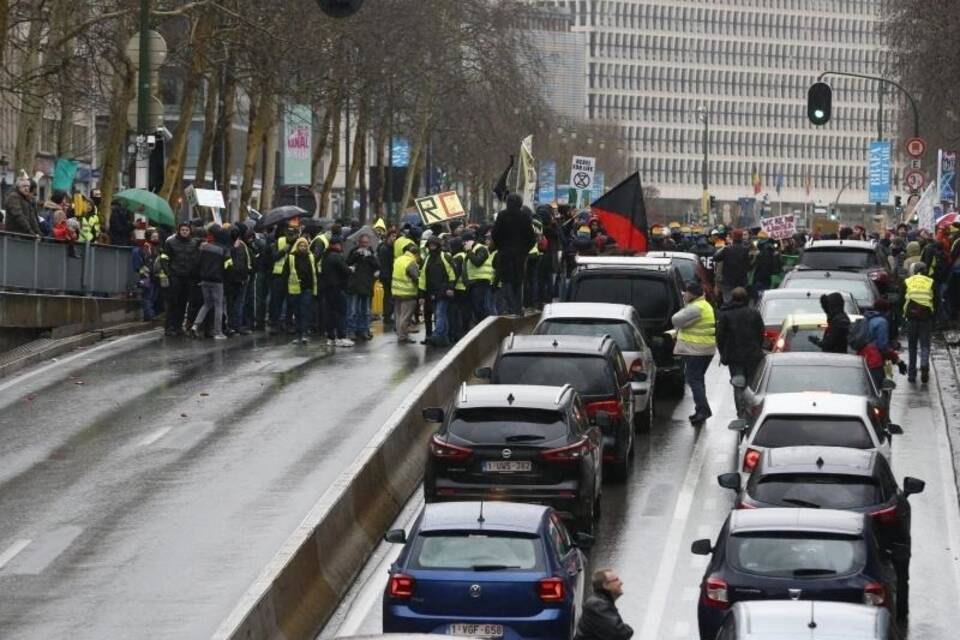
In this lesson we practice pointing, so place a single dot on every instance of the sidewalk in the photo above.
(945, 360)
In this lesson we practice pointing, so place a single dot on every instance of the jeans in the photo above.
(335, 313)
(441, 310)
(358, 313)
(512, 298)
(480, 300)
(212, 301)
(148, 299)
(918, 334)
(236, 298)
(303, 303)
(695, 368)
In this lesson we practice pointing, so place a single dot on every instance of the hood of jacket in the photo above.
(831, 303)
(913, 249)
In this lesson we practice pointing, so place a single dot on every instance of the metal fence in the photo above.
(47, 266)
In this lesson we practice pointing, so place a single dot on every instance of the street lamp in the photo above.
(704, 117)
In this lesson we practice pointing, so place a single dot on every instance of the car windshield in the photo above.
(687, 269)
(816, 490)
(794, 378)
(506, 425)
(621, 332)
(859, 289)
(589, 375)
(800, 555)
(839, 258)
(476, 551)
(798, 341)
(814, 431)
(649, 296)
(776, 310)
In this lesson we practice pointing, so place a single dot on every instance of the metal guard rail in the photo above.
(59, 268)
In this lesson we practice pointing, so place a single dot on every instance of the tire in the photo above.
(588, 523)
(643, 421)
(903, 592)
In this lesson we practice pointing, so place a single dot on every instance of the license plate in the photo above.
(476, 630)
(507, 466)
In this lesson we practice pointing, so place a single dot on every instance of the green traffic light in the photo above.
(818, 114)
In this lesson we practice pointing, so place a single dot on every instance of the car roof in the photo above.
(787, 519)
(829, 460)
(801, 358)
(800, 292)
(855, 245)
(623, 261)
(802, 319)
(838, 274)
(518, 396)
(682, 255)
(814, 403)
(592, 310)
(585, 345)
(790, 619)
(497, 516)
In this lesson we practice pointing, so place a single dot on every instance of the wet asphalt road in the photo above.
(672, 498)
(146, 482)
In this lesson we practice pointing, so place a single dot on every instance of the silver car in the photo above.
(620, 322)
(807, 620)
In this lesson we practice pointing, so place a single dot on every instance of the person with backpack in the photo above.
(836, 335)
(861, 341)
(918, 310)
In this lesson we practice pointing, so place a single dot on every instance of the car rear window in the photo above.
(798, 431)
(621, 332)
(816, 490)
(506, 425)
(687, 269)
(798, 341)
(589, 375)
(802, 555)
(477, 551)
(839, 258)
(860, 289)
(649, 296)
(775, 311)
(794, 378)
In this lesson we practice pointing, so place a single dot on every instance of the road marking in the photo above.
(45, 551)
(153, 437)
(13, 550)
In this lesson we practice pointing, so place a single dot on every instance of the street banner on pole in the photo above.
(548, 182)
(582, 170)
(924, 208)
(298, 144)
(947, 176)
(878, 168)
(440, 207)
(779, 227)
(527, 176)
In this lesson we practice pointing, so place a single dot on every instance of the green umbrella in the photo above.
(154, 207)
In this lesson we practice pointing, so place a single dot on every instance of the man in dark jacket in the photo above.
(21, 211)
(600, 619)
(237, 281)
(513, 237)
(735, 261)
(214, 262)
(385, 258)
(120, 226)
(437, 282)
(364, 269)
(769, 264)
(334, 275)
(740, 343)
(179, 261)
(835, 336)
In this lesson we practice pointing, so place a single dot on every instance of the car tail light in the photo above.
(875, 593)
(610, 406)
(570, 453)
(886, 516)
(715, 593)
(551, 590)
(637, 366)
(750, 459)
(401, 586)
(878, 413)
(770, 335)
(447, 451)
(780, 345)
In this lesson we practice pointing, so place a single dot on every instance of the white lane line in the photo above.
(47, 549)
(153, 437)
(13, 550)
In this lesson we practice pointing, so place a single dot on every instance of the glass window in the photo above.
(852, 381)
(499, 426)
(480, 550)
(816, 490)
(621, 332)
(814, 431)
(796, 555)
(590, 375)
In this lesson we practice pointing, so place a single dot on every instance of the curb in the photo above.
(948, 387)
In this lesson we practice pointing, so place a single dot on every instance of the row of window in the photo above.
(664, 171)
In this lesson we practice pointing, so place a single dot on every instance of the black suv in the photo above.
(524, 443)
(596, 369)
(836, 478)
(652, 286)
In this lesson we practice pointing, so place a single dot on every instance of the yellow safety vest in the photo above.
(89, 226)
(483, 273)
(400, 245)
(322, 239)
(401, 285)
(704, 331)
(293, 280)
(278, 265)
(446, 265)
(461, 286)
(919, 290)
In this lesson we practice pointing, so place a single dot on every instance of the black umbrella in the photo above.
(280, 214)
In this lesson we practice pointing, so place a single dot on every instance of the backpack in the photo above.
(859, 336)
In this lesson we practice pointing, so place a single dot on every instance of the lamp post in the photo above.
(4, 163)
(704, 117)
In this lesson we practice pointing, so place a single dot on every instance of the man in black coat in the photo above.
(180, 265)
(835, 336)
(740, 343)
(21, 211)
(513, 237)
(736, 264)
(600, 619)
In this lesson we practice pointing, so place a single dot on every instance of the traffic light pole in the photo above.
(143, 96)
(910, 98)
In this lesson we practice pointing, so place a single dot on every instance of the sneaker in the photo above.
(924, 376)
(219, 336)
(194, 332)
(344, 342)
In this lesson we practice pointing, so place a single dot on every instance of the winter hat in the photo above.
(694, 289)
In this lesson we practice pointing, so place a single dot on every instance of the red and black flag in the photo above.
(622, 213)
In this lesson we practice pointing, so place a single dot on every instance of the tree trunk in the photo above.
(124, 88)
(323, 135)
(226, 131)
(335, 134)
(364, 193)
(60, 18)
(209, 128)
(271, 145)
(31, 105)
(377, 199)
(411, 184)
(258, 127)
(356, 159)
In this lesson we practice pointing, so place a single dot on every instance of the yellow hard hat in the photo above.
(684, 229)
(674, 225)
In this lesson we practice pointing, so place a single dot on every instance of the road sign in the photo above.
(914, 179)
(915, 147)
(441, 207)
(878, 169)
(582, 171)
(914, 163)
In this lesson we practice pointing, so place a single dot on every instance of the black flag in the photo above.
(500, 189)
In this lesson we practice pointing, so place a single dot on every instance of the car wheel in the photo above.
(903, 591)
(587, 523)
(644, 420)
(620, 468)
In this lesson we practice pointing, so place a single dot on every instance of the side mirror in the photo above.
(737, 425)
(602, 419)
(483, 373)
(912, 486)
(888, 385)
(433, 414)
(640, 376)
(395, 536)
(894, 429)
(583, 540)
(701, 547)
(729, 481)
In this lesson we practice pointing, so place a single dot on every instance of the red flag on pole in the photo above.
(624, 215)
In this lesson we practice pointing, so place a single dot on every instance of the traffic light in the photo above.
(897, 204)
(819, 103)
(713, 202)
(340, 8)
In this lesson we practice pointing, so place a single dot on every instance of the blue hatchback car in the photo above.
(486, 570)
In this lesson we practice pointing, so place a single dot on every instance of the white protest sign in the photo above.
(582, 171)
(779, 227)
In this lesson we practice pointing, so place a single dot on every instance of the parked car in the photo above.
(859, 285)
(792, 554)
(517, 442)
(836, 478)
(652, 286)
(777, 304)
(796, 330)
(812, 419)
(859, 256)
(596, 369)
(486, 570)
(691, 269)
(814, 620)
(620, 322)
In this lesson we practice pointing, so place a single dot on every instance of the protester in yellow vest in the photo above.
(696, 344)
(478, 275)
(279, 250)
(918, 312)
(300, 272)
(404, 288)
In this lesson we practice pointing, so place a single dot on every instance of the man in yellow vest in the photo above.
(478, 275)
(918, 311)
(404, 288)
(279, 250)
(437, 282)
(696, 344)
(300, 270)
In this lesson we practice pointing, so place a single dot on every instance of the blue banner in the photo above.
(400, 152)
(597, 186)
(547, 180)
(947, 176)
(878, 168)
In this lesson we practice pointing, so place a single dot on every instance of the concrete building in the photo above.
(564, 55)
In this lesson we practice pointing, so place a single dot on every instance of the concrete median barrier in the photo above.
(297, 592)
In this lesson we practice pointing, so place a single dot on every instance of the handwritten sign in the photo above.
(440, 207)
(779, 227)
